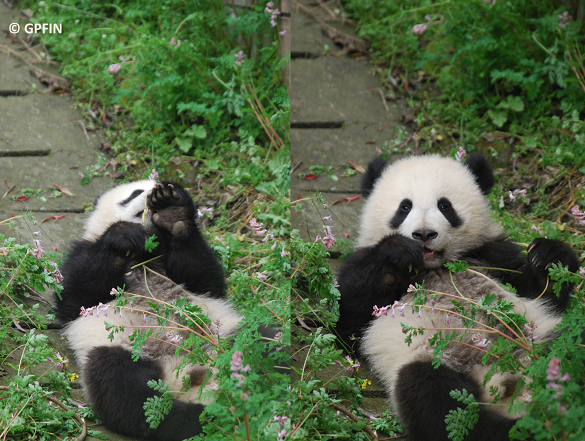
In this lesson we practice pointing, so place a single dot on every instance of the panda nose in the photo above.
(425, 235)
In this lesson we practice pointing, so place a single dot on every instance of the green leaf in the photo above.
(498, 118)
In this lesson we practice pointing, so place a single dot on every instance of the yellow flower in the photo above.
(366, 383)
(73, 377)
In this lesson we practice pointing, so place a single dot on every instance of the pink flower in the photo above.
(114, 68)
(461, 153)
(240, 57)
(478, 341)
(262, 276)
(236, 366)
(153, 175)
(578, 215)
(419, 29)
(565, 19)
(329, 239)
(60, 363)
(517, 191)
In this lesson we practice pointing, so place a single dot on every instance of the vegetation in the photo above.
(505, 78)
(194, 92)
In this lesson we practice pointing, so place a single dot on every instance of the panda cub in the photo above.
(112, 243)
(420, 213)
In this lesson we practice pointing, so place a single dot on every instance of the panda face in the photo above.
(430, 199)
(125, 202)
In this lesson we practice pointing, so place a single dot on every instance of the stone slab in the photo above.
(338, 89)
(344, 217)
(15, 77)
(308, 40)
(42, 121)
(337, 147)
(56, 235)
(44, 172)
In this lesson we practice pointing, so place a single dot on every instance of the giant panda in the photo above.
(113, 241)
(420, 213)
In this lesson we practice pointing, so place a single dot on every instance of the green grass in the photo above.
(164, 81)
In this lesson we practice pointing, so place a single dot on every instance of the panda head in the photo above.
(125, 202)
(435, 200)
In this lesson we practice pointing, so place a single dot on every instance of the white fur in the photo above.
(88, 332)
(383, 342)
(108, 209)
(424, 180)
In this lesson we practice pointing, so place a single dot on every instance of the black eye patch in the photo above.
(445, 207)
(403, 209)
(130, 198)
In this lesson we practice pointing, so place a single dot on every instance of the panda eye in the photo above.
(139, 214)
(405, 208)
(444, 206)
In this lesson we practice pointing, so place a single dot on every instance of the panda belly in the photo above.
(98, 357)
(413, 385)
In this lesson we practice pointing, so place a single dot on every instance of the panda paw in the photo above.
(542, 253)
(124, 240)
(172, 207)
(407, 255)
(166, 194)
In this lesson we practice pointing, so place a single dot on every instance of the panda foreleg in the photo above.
(423, 401)
(542, 253)
(377, 275)
(533, 277)
(117, 388)
(92, 269)
(188, 259)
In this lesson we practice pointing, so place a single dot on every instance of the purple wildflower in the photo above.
(578, 215)
(478, 341)
(60, 363)
(240, 57)
(419, 29)
(114, 68)
(236, 366)
(565, 19)
(461, 153)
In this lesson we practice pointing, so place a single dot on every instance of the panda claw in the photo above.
(531, 247)
(410, 267)
(127, 253)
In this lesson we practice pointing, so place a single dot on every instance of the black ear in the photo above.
(482, 171)
(375, 169)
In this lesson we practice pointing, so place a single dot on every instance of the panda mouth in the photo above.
(430, 254)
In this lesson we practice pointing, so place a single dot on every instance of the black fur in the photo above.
(374, 171)
(118, 389)
(422, 394)
(117, 386)
(376, 275)
(532, 280)
(401, 214)
(482, 171)
(92, 269)
(449, 212)
(380, 274)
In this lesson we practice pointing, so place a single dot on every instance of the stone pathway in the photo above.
(43, 146)
(337, 116)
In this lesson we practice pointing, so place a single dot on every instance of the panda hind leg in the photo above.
(423, 400)
(117, 388)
